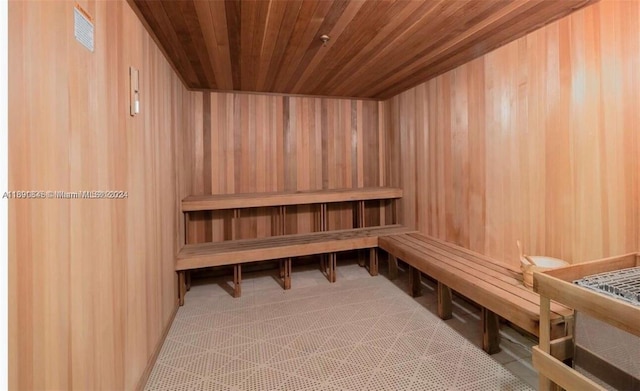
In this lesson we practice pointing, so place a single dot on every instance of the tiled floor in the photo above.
(360, 333)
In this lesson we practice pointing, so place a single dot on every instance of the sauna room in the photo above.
(322, 195)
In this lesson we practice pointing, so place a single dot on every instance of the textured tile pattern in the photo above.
(361, 333)
(618, 347)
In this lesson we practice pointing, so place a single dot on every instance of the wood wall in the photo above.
(538, 140)
(92, 282)
(246, 143)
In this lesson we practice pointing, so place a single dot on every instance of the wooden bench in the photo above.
(285, 246)
(495, 286)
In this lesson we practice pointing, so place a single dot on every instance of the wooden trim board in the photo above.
(257, 200)
(561, 374)
(152, 361)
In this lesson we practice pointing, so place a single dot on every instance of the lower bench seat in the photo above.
(237, 252)
(495, 286)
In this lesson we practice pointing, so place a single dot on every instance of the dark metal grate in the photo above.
(622, 284)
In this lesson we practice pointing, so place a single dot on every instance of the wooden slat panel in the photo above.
(377, 48)
(302, 41)
(534, 141)
(269, 143)
(93, 282)
(250, 250)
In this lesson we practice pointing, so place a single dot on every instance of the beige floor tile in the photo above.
(360, 333)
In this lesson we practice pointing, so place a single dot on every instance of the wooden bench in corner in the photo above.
(284, 247)
(495, 286)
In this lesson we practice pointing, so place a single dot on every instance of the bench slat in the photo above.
(504, 300)
(480, 291)
(496, 265)
(271, 241)
(437, 268)
(258, 200)
(194, 256)
(505, 280)
(493, 269)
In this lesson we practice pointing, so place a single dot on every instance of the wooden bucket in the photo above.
(536, 263)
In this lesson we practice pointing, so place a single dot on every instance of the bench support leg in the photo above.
(490, 332)
(287, 273)
(360, 223)
(237, 279)
(188, 280)
(182, 288)
(416, 282)
(282, 271)
(332, 267)
(373, 261)
(361, 261)
(393, 267)
(444, 301)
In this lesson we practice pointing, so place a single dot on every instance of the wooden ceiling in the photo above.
(377, 48)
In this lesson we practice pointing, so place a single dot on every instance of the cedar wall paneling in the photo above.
(537, 140)
(92, 282)
(263, 143)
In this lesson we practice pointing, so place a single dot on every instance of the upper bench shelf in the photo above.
(258, 200)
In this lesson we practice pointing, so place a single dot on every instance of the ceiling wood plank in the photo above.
(157, 19)
(284, 35)
(422, 42)
(176, 16)
(483, 41)
(423, 36)
(336, 30)
(217, 9)
(197, 40)
(376, 48)
(205, 20)
(232, 11)
(305, 31)
(272, 28)
(410, 13)
(248, 20)
(428, 55)
(333, 16)
(399, 51)
(373, 16)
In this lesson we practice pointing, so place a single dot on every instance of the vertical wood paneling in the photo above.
(537, 141)
(264, 143)
(93, 283)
